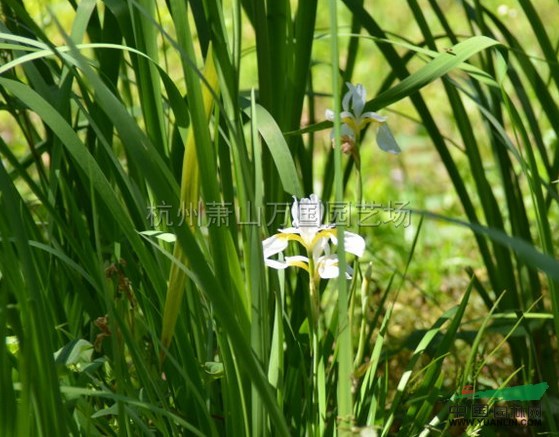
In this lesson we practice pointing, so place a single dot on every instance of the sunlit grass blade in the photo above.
(435, 69)
(190, 194)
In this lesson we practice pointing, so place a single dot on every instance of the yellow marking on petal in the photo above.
(300, 264)
(291, 237)
(364, 122)
(325, 233)
(350, 121)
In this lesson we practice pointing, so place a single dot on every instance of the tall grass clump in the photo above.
(150, 153)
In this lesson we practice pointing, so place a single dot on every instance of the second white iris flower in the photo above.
(354, 120)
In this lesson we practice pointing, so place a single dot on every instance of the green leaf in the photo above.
(165, 236)
(75, 354)
(214, 369)
(279, 150)
(438, 67)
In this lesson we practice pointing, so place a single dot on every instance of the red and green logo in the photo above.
(529, 392)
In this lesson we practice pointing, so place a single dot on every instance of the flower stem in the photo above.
(315, 301)
(318, 395)
(364, 307)
(359, 200)
(359, 194)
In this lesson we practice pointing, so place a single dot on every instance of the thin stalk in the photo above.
(317, 388)
(359, 201)
(363, 326)
(357, 160)
(315, 351)
(344, 353)
(313, 289)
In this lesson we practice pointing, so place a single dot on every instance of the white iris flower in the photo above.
(307, 229)
(354, 119)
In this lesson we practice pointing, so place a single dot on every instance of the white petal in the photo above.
(354, 243)
(307, 234)
(275, 264)
(290, 261)
(316, 199)
(329, 114)
(347, 97)
(296, 258)
(289, 230)
(273, 245)
(310, 212)
(359, 99)
(349, 272)
(374, 116)
(321, 247)
(346, 131)
(346, 114)
(295, 213)
(386, 140)
(328, 267)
